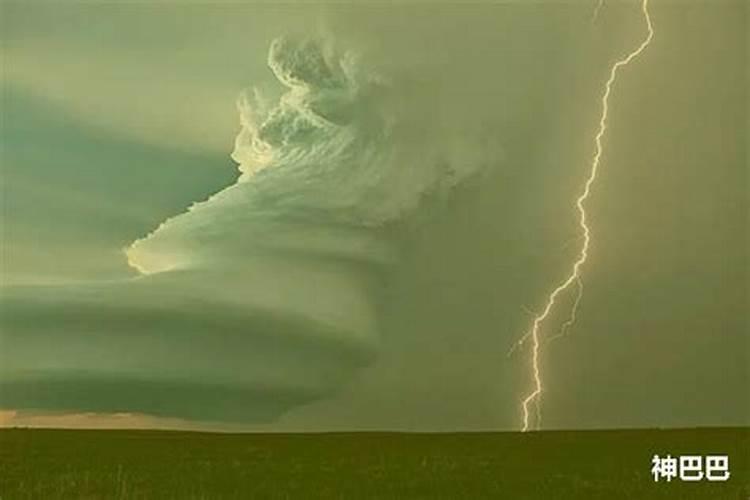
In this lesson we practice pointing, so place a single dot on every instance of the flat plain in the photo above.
(120, 464)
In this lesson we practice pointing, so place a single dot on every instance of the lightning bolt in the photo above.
(574, 277)
(573, 311)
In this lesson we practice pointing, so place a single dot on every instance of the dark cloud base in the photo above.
(185, 399)
(162, 346)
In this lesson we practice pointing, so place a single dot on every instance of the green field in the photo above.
(48, 464)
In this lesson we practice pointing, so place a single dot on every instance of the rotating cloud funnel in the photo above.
(257, 299)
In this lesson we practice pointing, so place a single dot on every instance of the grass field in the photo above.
(49, 464)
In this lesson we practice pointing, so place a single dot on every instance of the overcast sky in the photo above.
(386, 298)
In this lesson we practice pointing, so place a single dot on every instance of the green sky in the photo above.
(295, 309)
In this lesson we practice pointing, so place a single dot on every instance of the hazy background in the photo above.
(118, 116)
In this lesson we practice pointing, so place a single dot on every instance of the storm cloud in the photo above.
(261, 297)
(356, 240)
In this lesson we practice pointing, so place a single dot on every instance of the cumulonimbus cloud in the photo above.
(259, 298)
